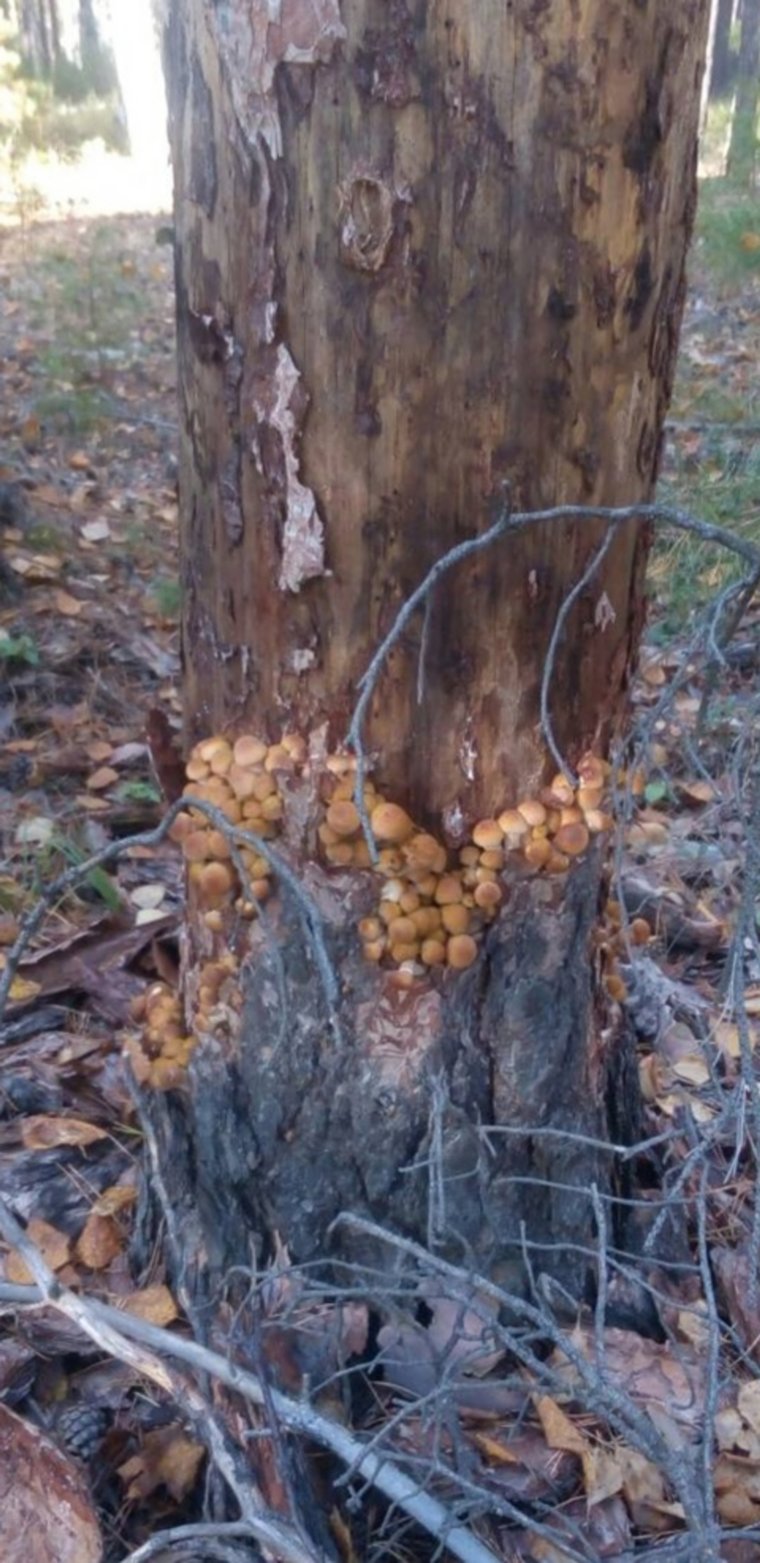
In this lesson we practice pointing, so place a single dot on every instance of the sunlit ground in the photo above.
(99, 183)
(55, 157)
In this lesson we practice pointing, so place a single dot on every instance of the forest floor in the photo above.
(89, 698)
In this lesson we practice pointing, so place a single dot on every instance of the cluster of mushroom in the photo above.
(614, 940)
(430, 912)
(240, 779)
(552, 829)
(160, 1054)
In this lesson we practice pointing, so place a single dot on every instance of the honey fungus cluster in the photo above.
(433, 905)
(432, 910)
(160, 1054)
(240, 779)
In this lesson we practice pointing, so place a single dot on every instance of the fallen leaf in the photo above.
(697, 792)
(154, 1304)
(112, 1200)
(168, 1458)
(148, 896)
(54, 1246)
(693, 1070)
(41, 1132)
(69, 606)
(102, 778)
(99, 1242)
(95, 531)
(22, 989)
(98, 751)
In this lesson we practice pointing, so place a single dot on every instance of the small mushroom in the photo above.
(455, 918)
(249, 751)
(461, 951)
(391, 823)
(571, 839)
(487, 834)
(514, 827)
(433, 952)
(532, 811)
(448, 890)
(343, 818)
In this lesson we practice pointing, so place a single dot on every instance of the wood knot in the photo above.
(366, 222)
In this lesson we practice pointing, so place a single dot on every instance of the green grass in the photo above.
(728, 224)
(684, 573)
(166, 593)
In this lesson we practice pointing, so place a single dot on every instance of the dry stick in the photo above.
(113, 1338)
(572, 597)
(507, 522)
(113, 1331)
(178, 1534)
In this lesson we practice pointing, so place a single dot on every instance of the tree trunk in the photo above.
(424, 251)
(34, 36)
(723, 58)
(742, 157)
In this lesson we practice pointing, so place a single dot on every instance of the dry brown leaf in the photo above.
(46, 1515)
(168, 1458)
(697, 792)
(737, 1489)
(499, 1453)
(154, 1304)
(79, 461)
(102, 778)
(69, 606)
(99, 750)
(562, 1433)
(36, 568)
(42, 1131)
(692, 1070)
(54, 1246)
(99, 1242)
(112, 1200)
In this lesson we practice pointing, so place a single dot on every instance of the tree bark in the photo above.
(424, 252)
(723, 58)
(34, 36)
(742, 157)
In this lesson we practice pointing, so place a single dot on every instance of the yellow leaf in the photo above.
(154, 1304)
(500, 1454)
(22, 989)
(750, 242)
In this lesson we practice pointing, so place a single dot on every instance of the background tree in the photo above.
(424, 251)
(742, 157)
(723, 58)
